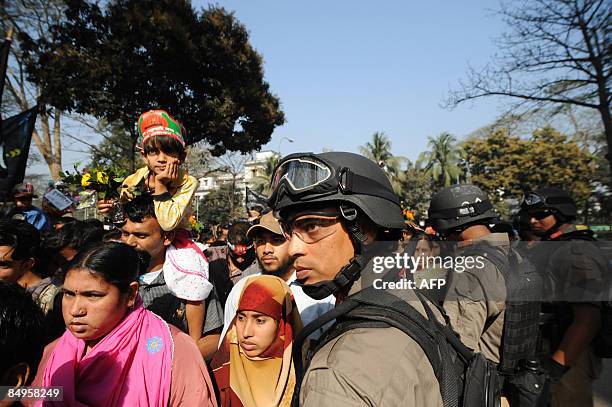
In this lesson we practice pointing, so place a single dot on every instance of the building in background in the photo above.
(251, 176)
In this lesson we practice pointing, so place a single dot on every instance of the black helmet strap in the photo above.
(351, 183)
(345, 277)
(352, 270)
(473, 209)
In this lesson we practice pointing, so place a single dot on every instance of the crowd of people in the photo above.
(283, 311)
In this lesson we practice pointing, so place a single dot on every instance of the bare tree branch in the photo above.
(34, 18)
(96, 129)
(92, 146)
(555, 52)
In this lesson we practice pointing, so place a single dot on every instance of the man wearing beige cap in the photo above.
(273, 257)
(271, 247)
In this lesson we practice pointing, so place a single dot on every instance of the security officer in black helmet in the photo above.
(487, 302)
(475, 300)
(336, 209)
(573, 269)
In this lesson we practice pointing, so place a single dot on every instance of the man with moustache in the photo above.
(337, 211)
(273, 257)
(142, 231)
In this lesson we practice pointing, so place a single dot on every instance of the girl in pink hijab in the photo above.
(114, 351)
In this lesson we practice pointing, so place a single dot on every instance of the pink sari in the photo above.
(130, 366)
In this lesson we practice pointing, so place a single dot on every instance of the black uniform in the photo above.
(574, 272)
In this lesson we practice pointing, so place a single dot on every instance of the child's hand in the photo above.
(105, 205)
(168, 176)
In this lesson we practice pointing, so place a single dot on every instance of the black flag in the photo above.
(255, 201)
(15, 137)
(4, 53)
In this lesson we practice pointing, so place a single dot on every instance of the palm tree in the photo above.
(442, 161)
(261, 183)
(379, 151)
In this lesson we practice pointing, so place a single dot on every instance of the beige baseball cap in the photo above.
(267, 222)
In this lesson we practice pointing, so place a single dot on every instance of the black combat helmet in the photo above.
(458, 206)
(349, 181)
(554, 199)
(306, 179)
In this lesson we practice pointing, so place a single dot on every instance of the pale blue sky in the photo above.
(346, 69)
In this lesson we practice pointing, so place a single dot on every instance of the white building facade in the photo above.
(253, 169)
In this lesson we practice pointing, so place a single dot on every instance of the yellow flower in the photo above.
(102, 177)
(86, 180)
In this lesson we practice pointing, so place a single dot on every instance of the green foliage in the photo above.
(507, 166)
(196, 226)
(379, 151)
(416, 190)
(114, 150)
(105, 181)
(118, 60)
(215, 209)
(442, 160)
(261, 183)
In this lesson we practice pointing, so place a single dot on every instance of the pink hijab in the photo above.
(130, 366)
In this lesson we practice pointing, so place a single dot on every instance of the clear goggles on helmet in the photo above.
(301, 173)
(545, 205)
(307, 176)
(532, 199)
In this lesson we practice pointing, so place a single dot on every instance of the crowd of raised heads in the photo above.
(285, 307)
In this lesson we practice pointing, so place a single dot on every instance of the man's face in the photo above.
(11, 270)
(146, 236)
(272, 252)
(330, 249)
(541, 220)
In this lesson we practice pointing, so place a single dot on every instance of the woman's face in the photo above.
(423, 248)
(91, 306)
(256, 332)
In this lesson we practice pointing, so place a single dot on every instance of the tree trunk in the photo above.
(606, 118)
(45, 146)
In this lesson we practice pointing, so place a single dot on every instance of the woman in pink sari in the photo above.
(115, 352)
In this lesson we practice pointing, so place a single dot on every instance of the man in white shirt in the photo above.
(273, 257)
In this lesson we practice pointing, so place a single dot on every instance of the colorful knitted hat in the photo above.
(158, 123)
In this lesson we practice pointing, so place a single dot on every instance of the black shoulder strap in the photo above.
(376, 309)
(450, 335)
